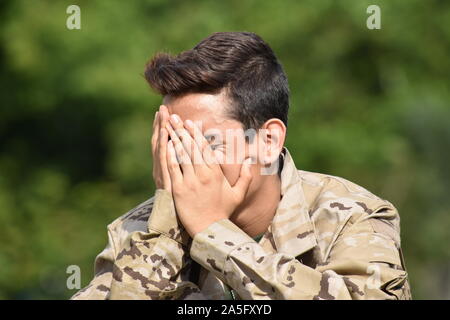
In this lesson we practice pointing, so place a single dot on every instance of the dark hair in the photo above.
(239, 62)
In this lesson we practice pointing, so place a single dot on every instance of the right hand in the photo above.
(160, 138)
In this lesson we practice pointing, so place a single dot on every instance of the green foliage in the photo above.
(75, 118)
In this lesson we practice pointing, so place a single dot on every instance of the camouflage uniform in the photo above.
(329, 239)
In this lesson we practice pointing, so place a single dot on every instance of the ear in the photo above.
(273, 134)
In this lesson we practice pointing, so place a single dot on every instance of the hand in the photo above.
(160, 138)
(201, 193)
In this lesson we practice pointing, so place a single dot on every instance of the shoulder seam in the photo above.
(111, 226)
(129, 212)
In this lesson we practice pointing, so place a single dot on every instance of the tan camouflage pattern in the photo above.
(329, 239)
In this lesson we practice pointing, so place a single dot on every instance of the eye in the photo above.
(214, 141)
(214, 146)
(211, 139)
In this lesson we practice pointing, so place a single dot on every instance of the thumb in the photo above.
(245, 177)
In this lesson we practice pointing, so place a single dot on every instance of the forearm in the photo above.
(253, 273)
(99, 287)
(154, 264)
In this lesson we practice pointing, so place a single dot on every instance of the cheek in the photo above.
(231, 172)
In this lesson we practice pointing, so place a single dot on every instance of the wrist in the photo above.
(202, 225)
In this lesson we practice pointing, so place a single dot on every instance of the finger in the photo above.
(162, 151)
(185, 137)
(240, 188)
(173, 167)
(155, 133)
(164, 116)
(188, 142)
(155, 119)
(203, 144)
(183, 157)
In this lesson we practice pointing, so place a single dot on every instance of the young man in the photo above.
(232, 217)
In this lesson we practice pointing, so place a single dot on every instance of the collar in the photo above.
(292, 228)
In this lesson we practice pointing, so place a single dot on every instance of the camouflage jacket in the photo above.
(329, 239)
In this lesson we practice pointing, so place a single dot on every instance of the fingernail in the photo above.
(175, 118)
(189, 123)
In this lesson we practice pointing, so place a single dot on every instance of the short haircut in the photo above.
(239, 62)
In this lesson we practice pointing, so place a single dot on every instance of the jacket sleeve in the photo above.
(99, 287)
(363, 263)
(150, 265)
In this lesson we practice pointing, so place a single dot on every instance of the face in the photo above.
(208, 112)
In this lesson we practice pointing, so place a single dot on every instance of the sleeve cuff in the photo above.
(212, 246)
(164, 219)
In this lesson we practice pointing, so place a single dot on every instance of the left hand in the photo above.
(201, 192)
